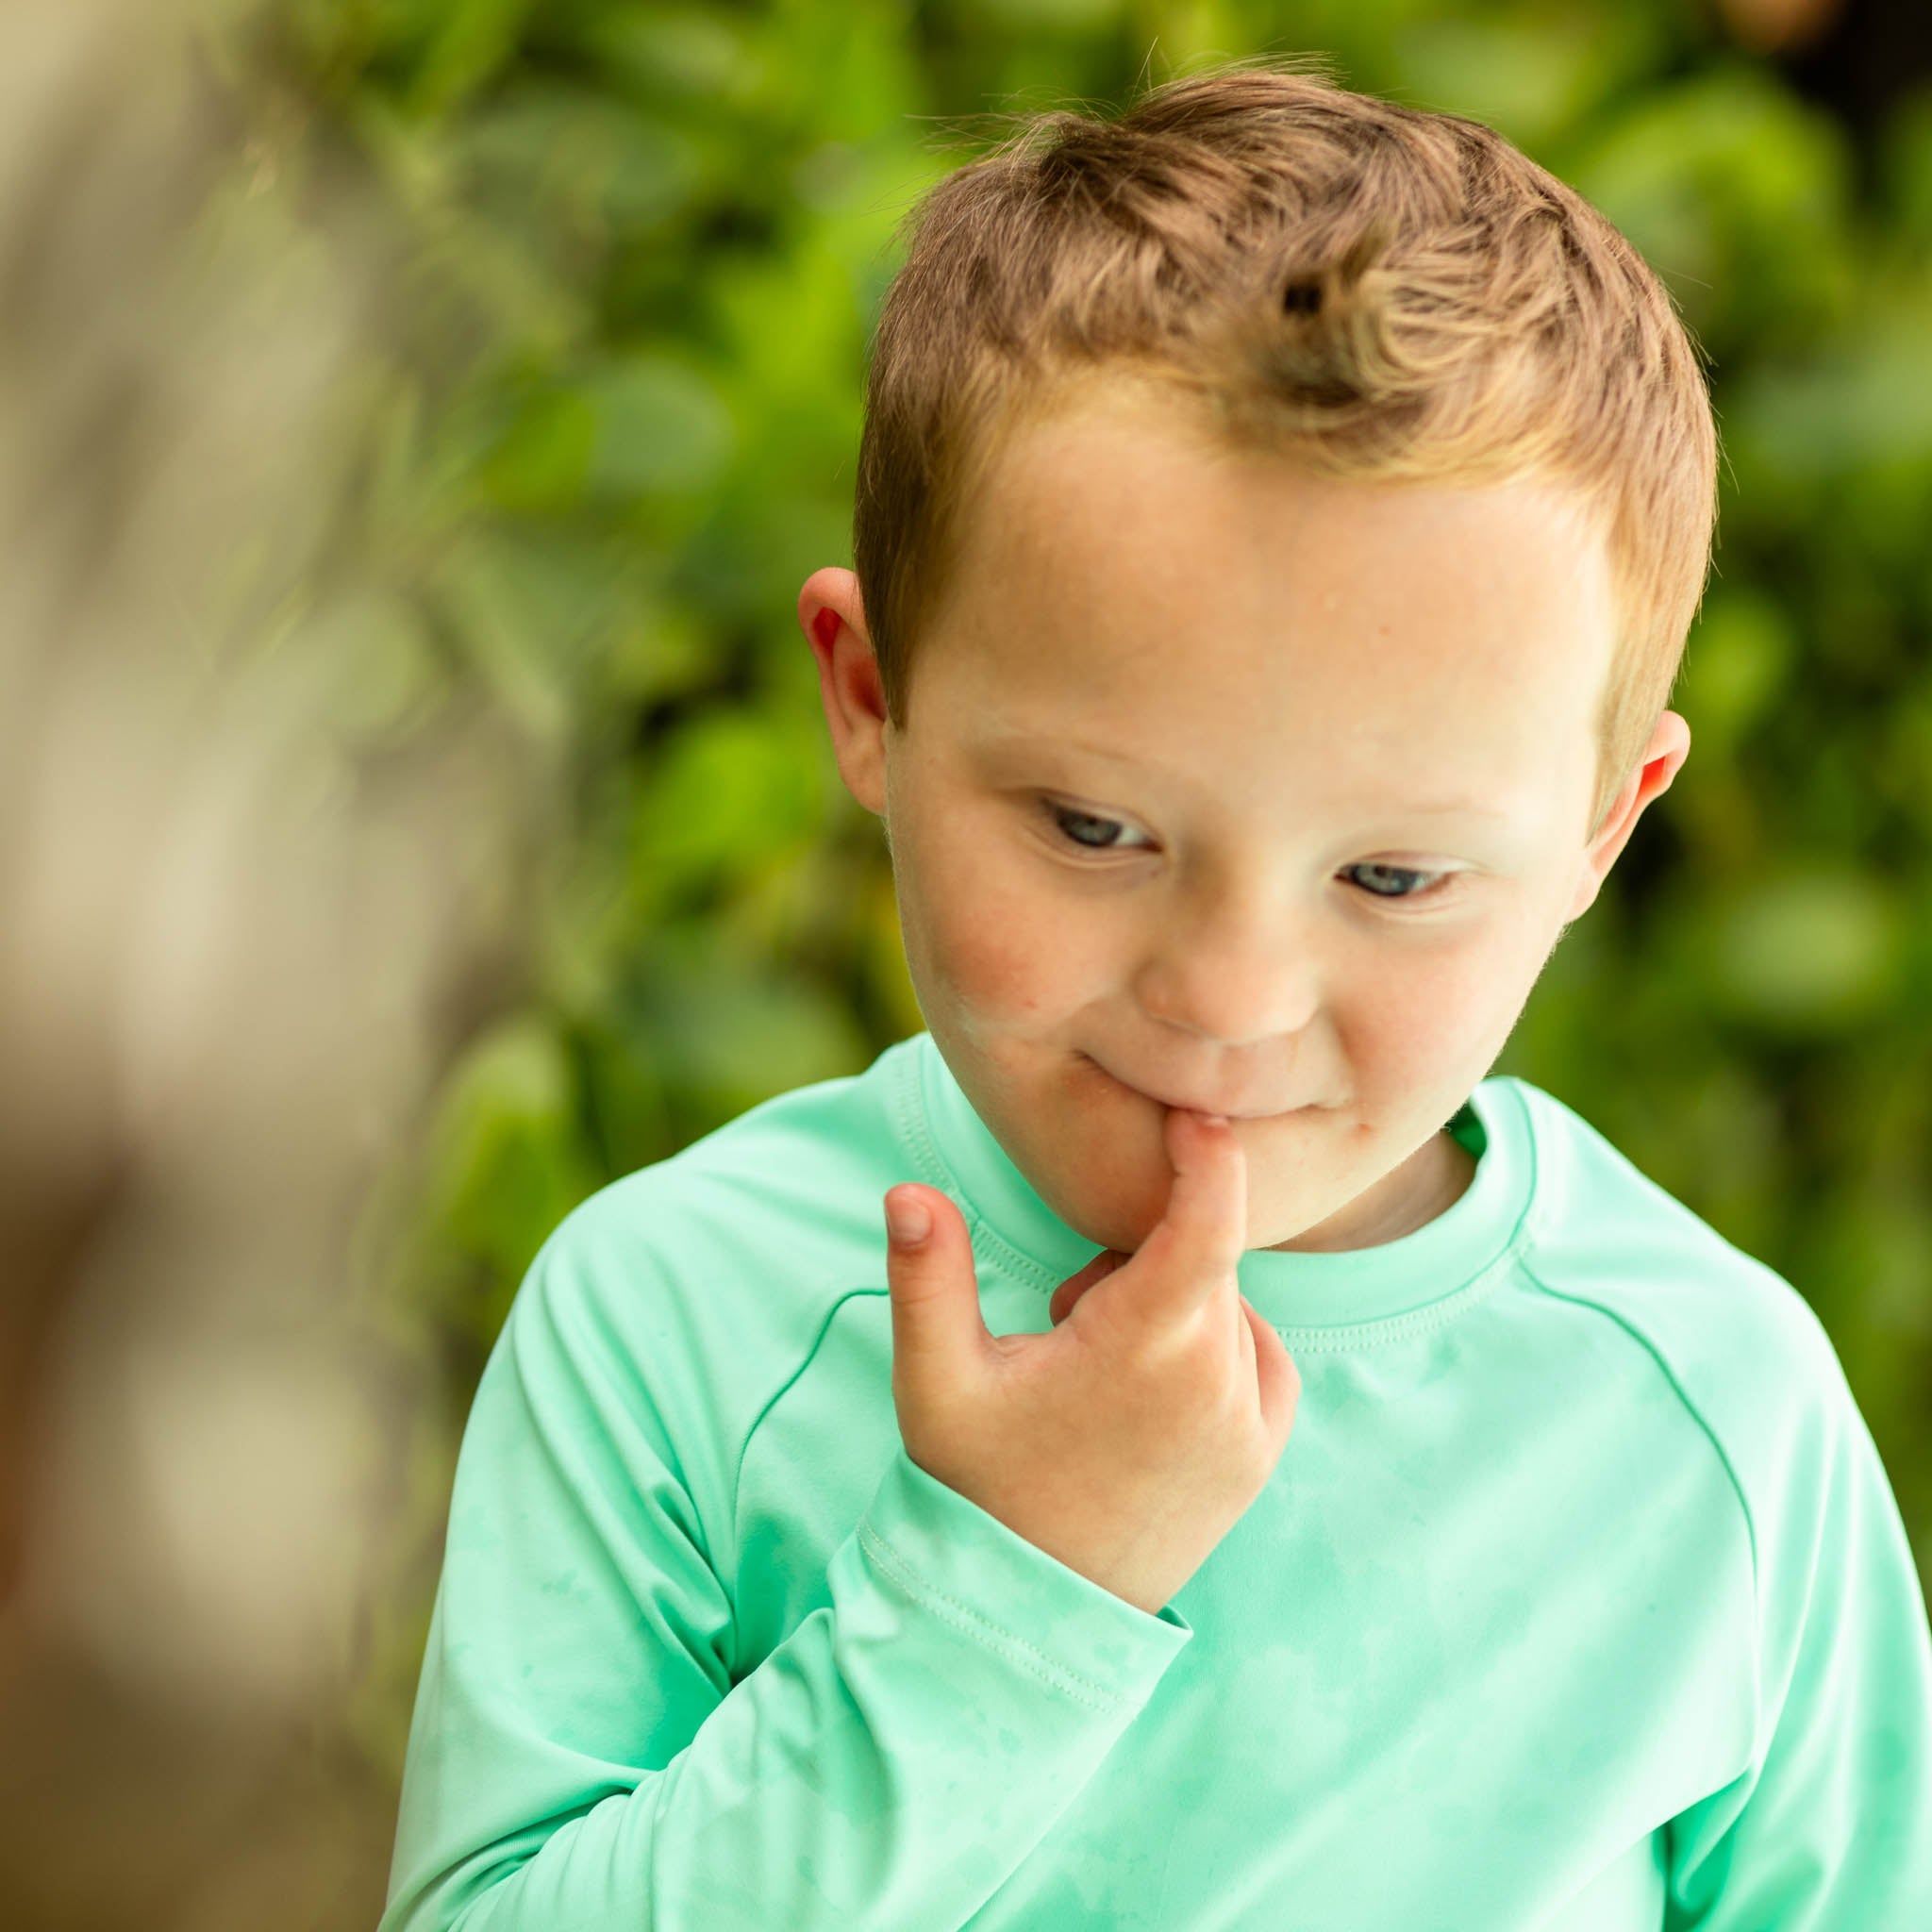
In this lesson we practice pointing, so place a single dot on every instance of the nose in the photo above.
(1233, 971)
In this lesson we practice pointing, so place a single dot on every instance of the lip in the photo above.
(1232, 1113)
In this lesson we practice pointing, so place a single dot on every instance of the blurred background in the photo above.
(416, 420)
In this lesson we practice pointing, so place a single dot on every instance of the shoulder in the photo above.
(669, 1308)
(766, 1211)
(1598, 1223)
(1741, 1344)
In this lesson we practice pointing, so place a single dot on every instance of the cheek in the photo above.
(997, 943)
(1491, 984)
(1437, 1009)
(996, 950)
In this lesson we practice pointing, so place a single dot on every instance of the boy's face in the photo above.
(1232, 787)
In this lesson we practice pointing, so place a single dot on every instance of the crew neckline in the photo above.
(1422, 1277)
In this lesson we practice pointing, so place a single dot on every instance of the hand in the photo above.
(1129, 1439)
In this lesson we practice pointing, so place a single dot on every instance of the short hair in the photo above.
(1374, 291)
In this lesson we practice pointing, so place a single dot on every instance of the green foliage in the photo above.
(618, 429)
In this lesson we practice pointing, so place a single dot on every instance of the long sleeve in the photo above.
(580, 1759)
(1830, 1827)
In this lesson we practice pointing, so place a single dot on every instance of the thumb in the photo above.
(936, 1321)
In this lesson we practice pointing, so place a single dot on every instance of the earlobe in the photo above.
(1585, 899)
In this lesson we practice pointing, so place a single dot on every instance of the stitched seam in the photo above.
(1387, 1329)
(909, 1112)
(1083, 1689)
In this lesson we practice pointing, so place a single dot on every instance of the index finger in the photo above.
(1192, 1254)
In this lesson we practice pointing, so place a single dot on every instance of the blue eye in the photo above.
(1062, 816)
(1404, 881)
(1401, 872)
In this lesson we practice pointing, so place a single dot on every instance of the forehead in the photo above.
(1125, 581)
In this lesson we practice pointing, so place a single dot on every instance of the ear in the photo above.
(1670, 745)
(832, 615)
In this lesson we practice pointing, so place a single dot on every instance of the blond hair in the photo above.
(1373, 291)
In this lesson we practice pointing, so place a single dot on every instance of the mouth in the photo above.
(1232, 1113)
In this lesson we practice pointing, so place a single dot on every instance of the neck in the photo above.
(1429, 1183)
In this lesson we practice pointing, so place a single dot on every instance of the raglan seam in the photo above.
(1716, 1441)
(894, 1562)
(1532, 1221)
(1656, 1355)
(1533, 1224)
(783, 1387)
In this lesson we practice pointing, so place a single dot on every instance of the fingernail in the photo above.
(1214, 1120)
(907, 1220)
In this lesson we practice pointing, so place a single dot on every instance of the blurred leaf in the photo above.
(544, 455)
(453, 45)
(1867, 399)
(735, 1032)
(664, 51)
(507, 1163)
(1818, 948)
(1532, 78)
(1906, 165)
(1739, 657)
(1905, 757)
(1045, 15)
(661, 428)
(1737, 193)
(571, 163)
(530, 607)
(730, 791)
(659, 648)
(745, 566)
(388, 670)
(626, 1099)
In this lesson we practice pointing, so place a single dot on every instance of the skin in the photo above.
(1247, 688)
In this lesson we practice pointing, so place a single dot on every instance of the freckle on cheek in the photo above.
(993, 974)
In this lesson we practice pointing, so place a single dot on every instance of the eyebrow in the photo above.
(1005, 739)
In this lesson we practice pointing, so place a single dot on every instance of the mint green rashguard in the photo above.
(1578, 1600)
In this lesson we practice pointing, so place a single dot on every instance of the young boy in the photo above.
(1279, 517)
